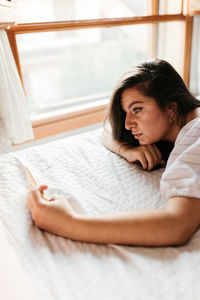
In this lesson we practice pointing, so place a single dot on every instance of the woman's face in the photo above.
(144, 117)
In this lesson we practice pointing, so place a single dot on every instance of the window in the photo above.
(70, 62)
(64, 10)
(195, 60)
(66, 69)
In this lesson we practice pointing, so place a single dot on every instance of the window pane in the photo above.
(80, 67)
(59, 10)
(170, 7)
(62, 69)
(195, 59)
(171, 43)
(194, 7)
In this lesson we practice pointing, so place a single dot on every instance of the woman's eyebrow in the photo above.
(134, 102)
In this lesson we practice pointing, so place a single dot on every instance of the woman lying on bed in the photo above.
(150, 104)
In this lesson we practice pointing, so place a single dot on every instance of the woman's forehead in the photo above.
(132, 96)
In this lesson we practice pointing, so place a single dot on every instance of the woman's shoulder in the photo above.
(187, 145)
(182, 173)
(190, 131)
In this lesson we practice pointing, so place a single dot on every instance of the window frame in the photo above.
(58, 124)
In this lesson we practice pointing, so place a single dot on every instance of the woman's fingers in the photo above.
(158, 153)
(37, 193)
(144, 156)
(41, 188)
(52, 199)
(153, 156)
(154, 153)
(36, 196)
(150, 160)
(143, 160)
(148, 155)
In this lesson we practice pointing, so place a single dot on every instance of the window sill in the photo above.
(69, 121)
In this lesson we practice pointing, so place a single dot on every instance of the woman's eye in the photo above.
(137, 109)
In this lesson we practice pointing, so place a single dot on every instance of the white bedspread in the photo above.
(101, 182)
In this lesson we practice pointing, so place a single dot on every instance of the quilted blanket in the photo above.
(99, 182)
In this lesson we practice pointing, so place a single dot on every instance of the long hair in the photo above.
(156, 79)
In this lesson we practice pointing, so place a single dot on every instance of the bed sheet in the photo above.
(100, 182)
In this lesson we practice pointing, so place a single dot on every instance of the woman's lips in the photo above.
(137, 136)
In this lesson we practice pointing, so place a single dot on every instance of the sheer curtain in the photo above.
(15, 125)
(195, 59)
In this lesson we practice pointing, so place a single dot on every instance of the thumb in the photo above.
(41, 188)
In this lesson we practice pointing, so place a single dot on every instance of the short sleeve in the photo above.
(182, 174)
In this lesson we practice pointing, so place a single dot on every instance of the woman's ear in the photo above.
(173, 108)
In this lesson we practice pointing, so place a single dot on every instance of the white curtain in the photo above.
(15, 125)
(195, 59)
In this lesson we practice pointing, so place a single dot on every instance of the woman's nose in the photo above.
(129, 122)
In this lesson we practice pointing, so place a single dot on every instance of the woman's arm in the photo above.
(173, 225)
(109, 142)
(149, 155)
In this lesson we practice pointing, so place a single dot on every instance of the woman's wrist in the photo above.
(122, 149)
(70, 227)
(119, 148)
(76, 229)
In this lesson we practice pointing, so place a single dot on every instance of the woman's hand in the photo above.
(55, 216)
(149, 155)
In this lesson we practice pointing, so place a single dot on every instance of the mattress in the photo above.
(99, 182)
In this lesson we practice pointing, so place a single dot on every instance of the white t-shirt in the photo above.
(182, 174)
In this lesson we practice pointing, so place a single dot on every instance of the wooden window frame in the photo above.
(59, 124)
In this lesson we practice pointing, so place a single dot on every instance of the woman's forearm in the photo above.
(148, 155)
(109, 142)
(120, 149)
(143, 228)
(173, 225)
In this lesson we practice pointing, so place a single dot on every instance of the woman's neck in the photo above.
(182, 121)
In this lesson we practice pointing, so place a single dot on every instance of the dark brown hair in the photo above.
(156, 79)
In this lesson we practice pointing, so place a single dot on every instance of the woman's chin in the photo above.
(144, 142)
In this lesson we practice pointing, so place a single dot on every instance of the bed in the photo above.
(45, 266)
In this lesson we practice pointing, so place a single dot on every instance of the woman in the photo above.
(150, 104)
